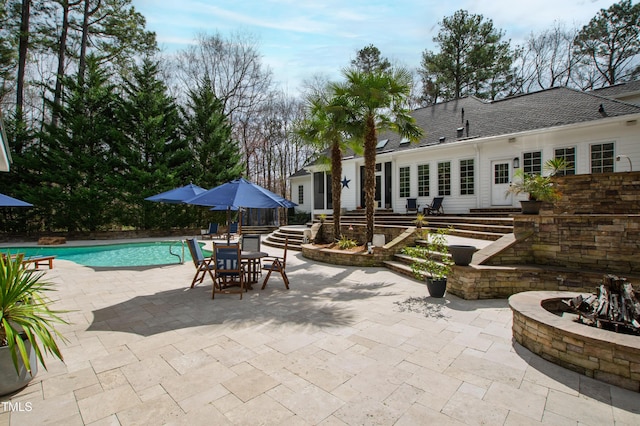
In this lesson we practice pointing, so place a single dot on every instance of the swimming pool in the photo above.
(114, 255)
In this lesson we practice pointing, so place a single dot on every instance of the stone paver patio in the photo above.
(343, 346)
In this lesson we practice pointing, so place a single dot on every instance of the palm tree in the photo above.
(327, 127)
(377, 100)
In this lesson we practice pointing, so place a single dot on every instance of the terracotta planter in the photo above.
(462, 254)
(10, 381)
(437, 287)
(531, 207)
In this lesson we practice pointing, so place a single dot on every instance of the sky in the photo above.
(303, 38)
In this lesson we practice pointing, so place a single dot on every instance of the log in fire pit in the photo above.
(615, 307)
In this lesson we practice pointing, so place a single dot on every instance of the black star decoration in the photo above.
(345, 182)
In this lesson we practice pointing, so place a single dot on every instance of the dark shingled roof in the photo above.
(619, 89)
(532, 111)
(558, 106)
(301, 172)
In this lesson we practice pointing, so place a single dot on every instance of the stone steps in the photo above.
(489, 228)
(278, 237)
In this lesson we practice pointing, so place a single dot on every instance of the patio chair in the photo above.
(212, 231)
(203, 265)
(276, 264)
(412, 205)
(229, 271)
(250, 242)
(435, 207)
(233, 228)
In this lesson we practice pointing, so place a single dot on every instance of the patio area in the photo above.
(343, 346)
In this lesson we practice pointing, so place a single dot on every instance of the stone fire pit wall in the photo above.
(601, 354)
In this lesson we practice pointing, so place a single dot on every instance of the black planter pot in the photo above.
(462, 254)
(531, 207)
(437, 287)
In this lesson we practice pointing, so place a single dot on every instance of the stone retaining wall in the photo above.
(607, 243)
(403, 237)
(554, 252)
(603, 355)
(601, 193)
(499, 282)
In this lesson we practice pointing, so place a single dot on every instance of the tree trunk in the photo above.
(85, 38)
(23, 48)
(336, 187)
(62, 48)
(370, 142)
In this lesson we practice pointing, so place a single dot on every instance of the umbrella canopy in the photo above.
(6, 201)
(240, 193)
(177, 195)
(237, 194)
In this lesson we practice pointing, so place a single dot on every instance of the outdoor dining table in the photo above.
(253, 258)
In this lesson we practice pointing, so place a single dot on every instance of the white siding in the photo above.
(305, 182)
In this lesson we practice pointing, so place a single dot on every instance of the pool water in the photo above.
(114, 255)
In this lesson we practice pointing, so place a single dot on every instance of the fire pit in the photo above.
(615, 307)
(542, 325)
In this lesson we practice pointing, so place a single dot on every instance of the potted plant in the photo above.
(420, 220)
(462, 254)
(538, 187)
(26, 323)
(432, 260)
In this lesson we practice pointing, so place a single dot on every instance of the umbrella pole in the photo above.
(228, 225)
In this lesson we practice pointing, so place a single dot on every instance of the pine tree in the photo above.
(81, 170)
(150, 121)
(216, 156)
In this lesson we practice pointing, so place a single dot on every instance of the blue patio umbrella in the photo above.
(6, 201)
(240, 193)
(177, 195)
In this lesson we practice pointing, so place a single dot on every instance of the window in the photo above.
(318, 190)
(501, 174)
(300, 194)
(423, 180)
(569, 157)
(467, 183)
(602, 158)
(444, 178)
(405, 182)
(532, 162)
(382, 143)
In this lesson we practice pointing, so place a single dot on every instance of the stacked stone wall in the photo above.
(601, 193)
(592, 231)
(603, 355)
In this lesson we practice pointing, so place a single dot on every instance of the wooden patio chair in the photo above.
(412, 205)
(202, 264)
(435, 207)
(212, 231)
(276, 264)
(229, 270)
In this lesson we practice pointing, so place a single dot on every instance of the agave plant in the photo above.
(25, 314)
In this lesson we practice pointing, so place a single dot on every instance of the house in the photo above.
(472, 147)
